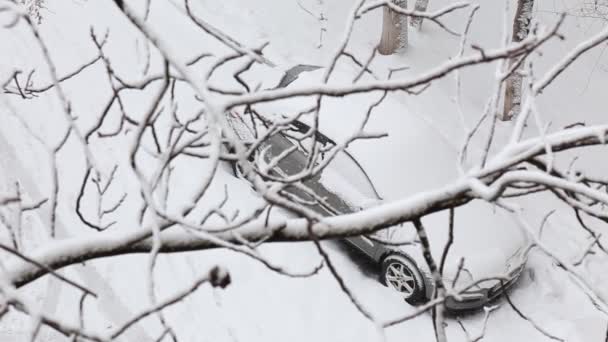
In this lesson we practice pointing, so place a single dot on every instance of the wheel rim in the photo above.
(401, 278)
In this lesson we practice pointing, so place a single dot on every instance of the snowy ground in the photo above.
(263, 306)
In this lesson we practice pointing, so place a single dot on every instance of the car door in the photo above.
(363, 243)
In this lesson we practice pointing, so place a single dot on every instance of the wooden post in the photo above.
(394, 30)
(514, 83)
(420, 6)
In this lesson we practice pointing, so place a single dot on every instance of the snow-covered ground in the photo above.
(261, 305)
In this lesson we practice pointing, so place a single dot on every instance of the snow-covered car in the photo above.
(486, 241)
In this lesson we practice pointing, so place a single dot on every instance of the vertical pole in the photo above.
(394, 30)
(514, 83)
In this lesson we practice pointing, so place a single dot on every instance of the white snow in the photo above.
(260, 305)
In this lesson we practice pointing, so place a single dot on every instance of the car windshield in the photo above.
(347, 167)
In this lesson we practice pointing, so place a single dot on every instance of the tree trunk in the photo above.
(513, 85)
(420, 6)
(394, 30)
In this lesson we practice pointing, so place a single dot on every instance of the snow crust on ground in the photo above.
(261, 305)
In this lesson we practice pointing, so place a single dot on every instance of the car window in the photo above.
(343, 183)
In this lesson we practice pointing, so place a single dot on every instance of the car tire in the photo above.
(402, 275)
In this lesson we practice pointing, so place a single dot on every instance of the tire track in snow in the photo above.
(109, 302)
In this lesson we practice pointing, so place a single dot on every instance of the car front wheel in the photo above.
(401, 274)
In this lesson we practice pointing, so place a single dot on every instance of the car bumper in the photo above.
(478, 299)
